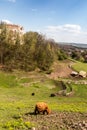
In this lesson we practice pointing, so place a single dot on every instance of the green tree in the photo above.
(44, 56)
(29, 46)
(61, 54)
(3, 42)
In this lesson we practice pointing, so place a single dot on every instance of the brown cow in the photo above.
(42, 107)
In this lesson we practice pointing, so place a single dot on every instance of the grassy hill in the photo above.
(78, 66)
(16, 98)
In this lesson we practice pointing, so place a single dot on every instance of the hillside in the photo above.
(17, 102)
(61, 69)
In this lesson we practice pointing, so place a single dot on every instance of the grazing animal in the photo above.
(42, 107)
(52, 95)
(33, 94)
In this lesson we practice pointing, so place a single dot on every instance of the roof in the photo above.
(74, 73)
(82, 73)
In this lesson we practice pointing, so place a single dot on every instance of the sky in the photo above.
(61, 20)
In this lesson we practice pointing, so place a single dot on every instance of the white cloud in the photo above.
(66, 27)
(12, 1)
(66, 33)
(6, 21)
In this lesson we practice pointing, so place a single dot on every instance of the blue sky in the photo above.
(61, 20)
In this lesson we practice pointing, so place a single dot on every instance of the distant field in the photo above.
(16, 99)
(78, 66)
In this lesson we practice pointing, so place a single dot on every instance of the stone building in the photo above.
(14, 29)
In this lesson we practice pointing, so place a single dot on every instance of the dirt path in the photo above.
(59, 121)
(61, 69)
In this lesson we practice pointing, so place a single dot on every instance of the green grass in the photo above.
(7, 80)
(16, 99)
(78, 66)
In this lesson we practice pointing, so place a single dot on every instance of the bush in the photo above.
(19, 124)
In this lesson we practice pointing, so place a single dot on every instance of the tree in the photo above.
(3, 42)
(44, 56)
(29, 46)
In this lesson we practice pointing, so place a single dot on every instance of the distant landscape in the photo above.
(80, 45)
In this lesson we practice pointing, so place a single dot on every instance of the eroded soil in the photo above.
(59, 121)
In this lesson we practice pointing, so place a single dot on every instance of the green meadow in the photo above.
(78, 66)
(16, 98)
